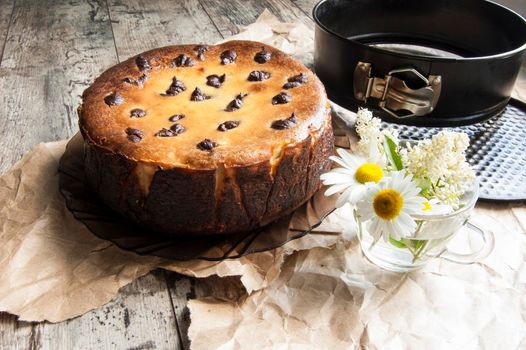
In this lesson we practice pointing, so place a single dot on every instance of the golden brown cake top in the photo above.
(199, 106)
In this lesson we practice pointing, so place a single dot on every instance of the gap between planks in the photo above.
(8, 25)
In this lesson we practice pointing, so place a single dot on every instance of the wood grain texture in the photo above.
(143, 25)
(519, 212)
(181, 290)
(54, 49)
(14, 334)
(52, 52)
(229, 16)
(6, 10)
(306, 5)
(140, 317)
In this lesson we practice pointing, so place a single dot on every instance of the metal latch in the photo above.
(394, 95)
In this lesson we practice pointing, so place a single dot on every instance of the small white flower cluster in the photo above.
(442, 161)
(370, 132)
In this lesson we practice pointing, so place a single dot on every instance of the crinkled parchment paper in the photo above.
(52, 268)
(335, 299)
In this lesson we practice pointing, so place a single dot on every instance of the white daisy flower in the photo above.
(387, 207)
(355, 175)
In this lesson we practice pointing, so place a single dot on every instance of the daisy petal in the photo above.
(335, 189)
(386, 230)
(351, 160)
(367, 214)
(335, 178)
(357, 194)
(407, 221)
(344, 198)
(341, 162)
(375, 228)
(414, 205)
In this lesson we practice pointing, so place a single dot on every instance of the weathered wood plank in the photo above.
(181, 289)
(306, 5)
(228, 16)
(53, 51)
(140, 317)
(13, 334)
(516, 5)
(6, 9)
(139, 26)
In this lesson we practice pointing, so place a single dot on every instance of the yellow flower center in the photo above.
(427, 206)
(387, 204)
(368, 173)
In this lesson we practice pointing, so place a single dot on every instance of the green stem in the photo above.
(419, 252)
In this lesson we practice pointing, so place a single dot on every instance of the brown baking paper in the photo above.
(335, 299)
(52, 268)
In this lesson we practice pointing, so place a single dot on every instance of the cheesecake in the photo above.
(206, 139)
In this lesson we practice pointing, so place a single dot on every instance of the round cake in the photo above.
(197, 139)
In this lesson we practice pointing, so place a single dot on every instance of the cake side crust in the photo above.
(187, 201)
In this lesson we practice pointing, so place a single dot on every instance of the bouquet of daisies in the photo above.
(389, 185)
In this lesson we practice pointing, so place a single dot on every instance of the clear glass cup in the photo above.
(429, 240)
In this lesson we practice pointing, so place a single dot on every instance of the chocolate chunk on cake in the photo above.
(196, 139)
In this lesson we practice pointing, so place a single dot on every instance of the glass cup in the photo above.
(429, 240)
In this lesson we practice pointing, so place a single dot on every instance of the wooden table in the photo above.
(50, 51)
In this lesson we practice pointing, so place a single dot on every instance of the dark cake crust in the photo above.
(183, 201)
